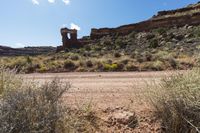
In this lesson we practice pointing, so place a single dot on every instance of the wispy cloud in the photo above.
(51, 1)
(74, 26)
(67, 2)
(35, 2)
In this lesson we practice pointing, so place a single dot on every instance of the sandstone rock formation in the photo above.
(189, 15)
(69, 39)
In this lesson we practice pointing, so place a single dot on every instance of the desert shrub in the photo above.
(143, 57)
(160, 30)
(99, 66)
(70, 65)
(147, 56)
(162, 55)
(179, 37)
(158, 65)
(150, 36)
(132, 34)
(17, 63)
(117, 55)
(197, 32)
(29, 68)
(120, 43)
(110, 67)
(32, 67)
(133, 55)
(140, 59)
(120, 66)
(27, 108)
(33, 109)
(153, 43)
(173, 63)
(132, 67)
(87, 48)
(153, 66)
(177, 102)
(9, 80)
(43, 69)
(74, 57)
(29, 60)
(89, 63)
(124, 61)
(109, 61)
(97, 48)
(81, 63)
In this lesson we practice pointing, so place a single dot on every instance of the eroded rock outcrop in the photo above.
(69, 39)
(189, 15)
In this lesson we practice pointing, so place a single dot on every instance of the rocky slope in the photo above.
(171, 47)
(189, 15)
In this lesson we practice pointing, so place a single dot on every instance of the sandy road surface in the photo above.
(102, 89)
(110, 92)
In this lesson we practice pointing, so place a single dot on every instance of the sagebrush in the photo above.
(177, 101)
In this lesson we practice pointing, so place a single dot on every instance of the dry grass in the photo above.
(9, 80)
(30, 108)
(177, 102)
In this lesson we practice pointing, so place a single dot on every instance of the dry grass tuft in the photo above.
(177, 102)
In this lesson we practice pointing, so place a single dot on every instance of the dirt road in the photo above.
(103, 89)
(108, 93)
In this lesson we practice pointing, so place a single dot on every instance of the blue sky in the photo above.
(38, 22)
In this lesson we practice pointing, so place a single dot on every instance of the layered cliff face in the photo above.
(189, 15)
(7, 51)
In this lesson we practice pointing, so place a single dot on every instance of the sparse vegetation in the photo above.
(177, 102)
(69, 65)
(159, 49)
(26, 107)
(8, 80)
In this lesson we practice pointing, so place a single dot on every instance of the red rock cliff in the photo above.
(189, 15)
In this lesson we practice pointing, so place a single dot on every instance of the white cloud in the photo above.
(67, 2)
(74, 26)
(35, 2)
(51, 1)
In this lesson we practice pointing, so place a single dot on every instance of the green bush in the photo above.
(177, 102)
(110, 67)
(43, 69)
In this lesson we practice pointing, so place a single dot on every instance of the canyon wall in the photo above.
(185, 16)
